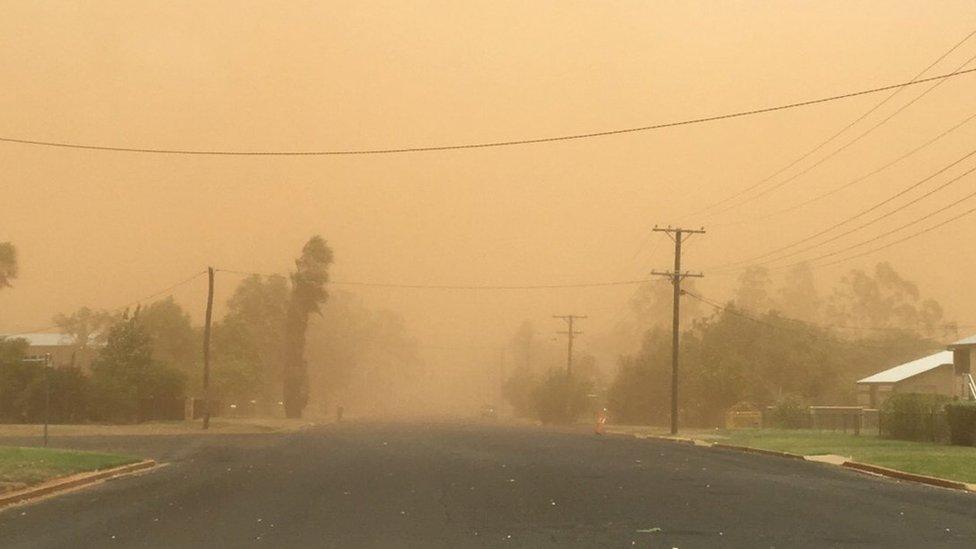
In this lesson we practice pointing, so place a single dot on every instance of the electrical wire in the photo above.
(838, 150)
(852, 182)
(144, 299)
(808, 238)
(822, 144)
(460, 287)
(483, 145)
(897, 229)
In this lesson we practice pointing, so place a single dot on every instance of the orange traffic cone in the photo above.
(601, 420)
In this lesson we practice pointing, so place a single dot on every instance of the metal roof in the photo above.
(43, 340)
(910, 369)
(971, 340)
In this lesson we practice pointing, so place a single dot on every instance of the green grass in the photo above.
(34, 465)
(951, 462)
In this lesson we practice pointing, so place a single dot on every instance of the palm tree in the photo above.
(307, 295)
(8, 264)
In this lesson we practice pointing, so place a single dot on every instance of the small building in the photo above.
(62, 347)
(944, 373)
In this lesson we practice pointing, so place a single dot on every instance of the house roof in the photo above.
(971, 340)
(43, 340)
(910, 369)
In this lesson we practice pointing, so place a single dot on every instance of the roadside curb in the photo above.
(70, 482)
(903, 475)
(758, 451)
(857, 466)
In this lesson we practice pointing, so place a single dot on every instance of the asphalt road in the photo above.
(479, 485)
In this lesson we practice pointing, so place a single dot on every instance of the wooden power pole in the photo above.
(570, 334)
(677, 235)
(206, 349)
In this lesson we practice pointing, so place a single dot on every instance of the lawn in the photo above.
(27, 466)
(938, 460)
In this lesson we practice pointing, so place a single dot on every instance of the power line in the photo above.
(880, 217)
(483, 145)
(854, 181)
(461, 287)
(909, 237)
(840, 149)
(861, 213)
(897, 229)
(822, 144)
(153, 295)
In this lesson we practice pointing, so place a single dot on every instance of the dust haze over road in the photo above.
(451, 484)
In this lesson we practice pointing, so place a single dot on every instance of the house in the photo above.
(944, 373)
(62, 348)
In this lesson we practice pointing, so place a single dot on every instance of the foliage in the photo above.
(172, 337)
(761, 357)
(24, 387)
(753, 292)
(788, 413)
(517, 391)
(8, 264)
(307, 295)
(913, 416)
(125, 375)
(247, 342)
(798, 296)
(961, 417)
(88, 328)
(885, 300)
(640, 393)
(561, 399)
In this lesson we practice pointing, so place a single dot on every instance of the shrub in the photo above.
(561, 398)
(913, 416)
(788, 413)
(961, 417)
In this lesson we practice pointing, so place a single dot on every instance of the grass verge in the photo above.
(937, 460)
(21, 467)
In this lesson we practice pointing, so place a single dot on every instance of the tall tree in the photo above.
(798, 296)
(753, 290)
(885, 300)
(523, 342)
(89, 329)
(248, 342)
(125, 376)
(307, 296)
(174, 341)
(8, 264)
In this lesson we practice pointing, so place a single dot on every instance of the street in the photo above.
(440, 484)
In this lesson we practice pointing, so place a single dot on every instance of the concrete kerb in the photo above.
(72, 482)
(758, 451)
(911, 477)
(857, 466)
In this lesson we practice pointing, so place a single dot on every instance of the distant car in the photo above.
(488, 411)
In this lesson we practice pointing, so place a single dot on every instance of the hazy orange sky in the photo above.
(105, 228)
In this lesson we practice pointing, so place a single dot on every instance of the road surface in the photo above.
(362, 484)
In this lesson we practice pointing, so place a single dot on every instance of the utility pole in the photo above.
(678, 235)
(206, 350)
(570, 334)
(47, 394)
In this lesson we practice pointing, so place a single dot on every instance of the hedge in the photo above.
(962, 423)
(914, 416)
